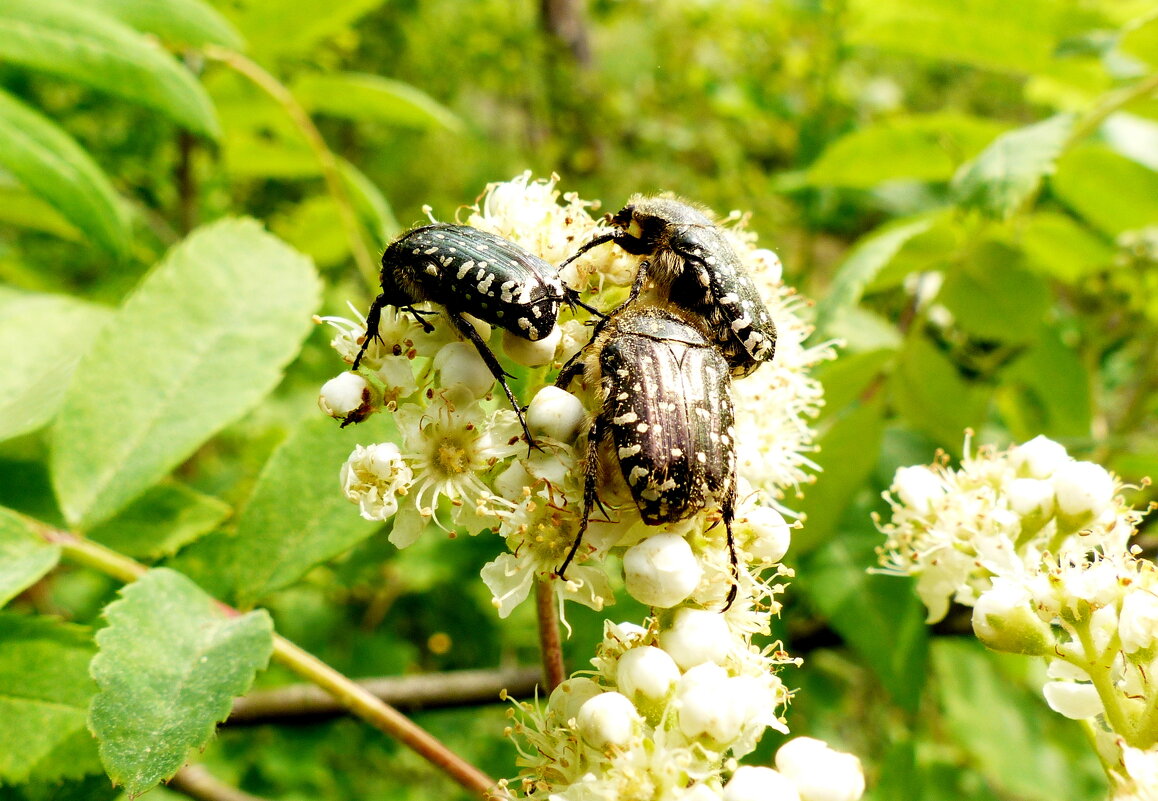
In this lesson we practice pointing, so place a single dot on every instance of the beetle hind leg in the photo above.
(373, 320)
(590, 496)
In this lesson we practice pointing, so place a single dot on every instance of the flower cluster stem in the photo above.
(550, 641)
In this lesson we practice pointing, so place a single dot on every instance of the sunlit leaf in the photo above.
(275, 30)
(76, 42)
(1058, 246)
(24, 557)
(200, 342)
(184, 22)
(931, 394)
(994, 297)
(167, 517)
(170, 662)
(372, 98)
(52, 165)
(1112, 192)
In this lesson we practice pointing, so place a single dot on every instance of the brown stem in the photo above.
(328, 163)
(186, 179)
(197, 782)
(307, 702)
(550, 643)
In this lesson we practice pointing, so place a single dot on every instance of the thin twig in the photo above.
(326, 160)
(550, 642)
(309, 703)
(198, 783)
(1111, 102)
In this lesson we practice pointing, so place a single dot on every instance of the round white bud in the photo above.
(532, 354)
(819, 772)
(710, 704)
(696, 636)
(1005, 620)
(1084, 490)
(1074, 701)
(569, 697)
(481, 326)
(646, 671)
(556, 413)
(344, 395)
(754, 783)
(608, 719)
(661, 571)
(1033, 500)
(770, 534)
(918, 488)
(1038, 458)
(699, 792)
(460, 363)
(1138, 620)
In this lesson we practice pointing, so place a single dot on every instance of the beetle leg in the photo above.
(636, 288)
(591, 243)
(418, 315)
(373, 319)
(571, 296)
(590, 496)
(729, 513)
(496, 369)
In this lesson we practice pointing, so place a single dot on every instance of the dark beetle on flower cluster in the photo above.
(470, 271)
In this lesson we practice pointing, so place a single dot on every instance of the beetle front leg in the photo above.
(373, 320)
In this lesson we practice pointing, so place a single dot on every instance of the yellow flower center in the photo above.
(452, 457)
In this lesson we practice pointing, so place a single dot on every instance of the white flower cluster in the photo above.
(670, 707)
(1039, 545)
(666, 713)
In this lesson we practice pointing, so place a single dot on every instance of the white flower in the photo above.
(765, 533)
(1038, 458)
(918, 488)
(608, 719)
(1138, 620)
(750, 783)
(556, 413)
(373, 477)
(1004, 619)
(532, 354)
(661, 571)
(1084, 490)
(1141, 773)
(1033, 499)
(460, 363)
(346, 397)
(1074, 701)
(646, 672)
(820, 772)
(710, 704)
(697, 636)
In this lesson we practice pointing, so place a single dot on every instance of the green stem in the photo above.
(326, 159)
(1099, 673)
(1111, 102)
(349, 693)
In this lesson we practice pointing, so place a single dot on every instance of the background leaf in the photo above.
(163, 520)
(75, 42)
(200, 342)
(42, 337)
(169, 665)
(1084, 176)
(184, 22)
(44, 695)
(52, 165)
(24, 557)
(372, 98)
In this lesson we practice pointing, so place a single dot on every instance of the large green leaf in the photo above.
(1112, 192)
(925, 147)
(42, 337)
(1047, 391)
(52, 165)
(45, 691)
(24, 557)
(201, 341)
(184, 22)
(169, 665)
(993, 297)
(275, 30)
(163, 520)
(24, 209)
(361, 96)
(296, 518)
(931, 394)
(1010, 171)
(1058, 246)
(76, 42)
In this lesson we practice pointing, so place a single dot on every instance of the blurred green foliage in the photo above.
(968, 188)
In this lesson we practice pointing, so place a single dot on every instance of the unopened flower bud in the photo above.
(460, 363)
(1138, 620)
(753, 783)
(532, 354)
(556, 413)
(1038, 458)
(1074, 701)
(770, 534)
(1004, 619)
(710, 705)
(919, 488)
(661, 571)
(347, 397)
(608, 719)
(1084, 490)
(1033, 500)
(699, 792)
(646, 671)
(696, 636)
(481, 326)
(767, 264)
(820, 773)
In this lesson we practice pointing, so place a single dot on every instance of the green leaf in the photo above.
(314, 227)
(72, 41)
(24, 557)
(23, 209)
(200, 342)
(163, 520)
(870, 255)
(375, 210)
(1008, 732)
(169, 665)
(1009, 172)
(372, 98)
(1058, 246)
(42, 337)
(927, 389)
(923, 147)
(274, 33)
(191, 23)
(54, 167)
(994, 297)
(847, 378)
(296, 518)
(1047, 391)
(45, 691)
(1112, 192)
